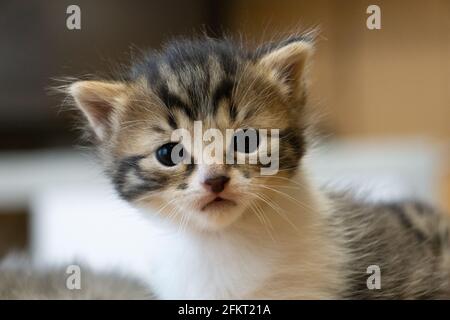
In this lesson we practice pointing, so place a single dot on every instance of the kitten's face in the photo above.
(220, 88)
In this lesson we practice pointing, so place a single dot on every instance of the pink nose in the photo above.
(216, 184)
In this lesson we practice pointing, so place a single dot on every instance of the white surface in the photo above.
(89, 225)
(379, 170)
(23, 174)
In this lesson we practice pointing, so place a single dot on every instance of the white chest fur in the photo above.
(208, 266)
(248, 262)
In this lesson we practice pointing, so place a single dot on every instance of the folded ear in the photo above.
(98, 100)
(288, 62)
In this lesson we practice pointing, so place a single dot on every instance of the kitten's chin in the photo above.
(217, 205)
(213, 214)
(217, 215)
(216, 212)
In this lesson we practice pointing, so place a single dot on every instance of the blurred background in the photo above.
(384, 94)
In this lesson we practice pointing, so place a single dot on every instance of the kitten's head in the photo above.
(210, 84)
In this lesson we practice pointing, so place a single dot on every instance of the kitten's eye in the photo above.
(170, 154)
(246, 140)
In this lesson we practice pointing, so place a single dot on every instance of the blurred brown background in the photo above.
(392, 82)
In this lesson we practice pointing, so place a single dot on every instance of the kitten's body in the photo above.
(319, 250)
(408, 241)
(266, 236)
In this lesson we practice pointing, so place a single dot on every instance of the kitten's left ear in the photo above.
(288, 63)
(98, 100)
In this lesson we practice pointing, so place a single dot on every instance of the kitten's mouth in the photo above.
(218, 203)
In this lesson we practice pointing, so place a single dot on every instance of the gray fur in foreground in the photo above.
(20, 280)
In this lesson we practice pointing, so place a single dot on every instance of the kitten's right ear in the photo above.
(98, 101)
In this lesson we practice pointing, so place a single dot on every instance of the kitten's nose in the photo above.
(216, 184)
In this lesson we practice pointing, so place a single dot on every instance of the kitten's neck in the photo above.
(256, 252)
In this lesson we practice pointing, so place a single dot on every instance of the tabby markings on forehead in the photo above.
(223, 91)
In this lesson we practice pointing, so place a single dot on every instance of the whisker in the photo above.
(277, 209)
(290, 197)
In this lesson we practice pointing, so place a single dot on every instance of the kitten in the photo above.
(227, 230)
